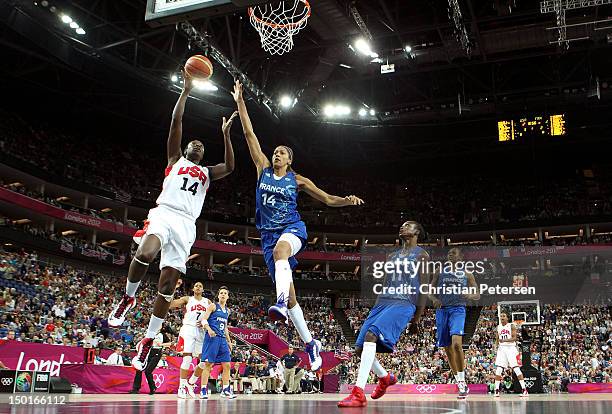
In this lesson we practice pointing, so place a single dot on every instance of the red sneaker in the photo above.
(356, 399)
(383, 384)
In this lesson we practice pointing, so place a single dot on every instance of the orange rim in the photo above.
(281, 26)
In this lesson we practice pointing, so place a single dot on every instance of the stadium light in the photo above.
(407, 48)
(205, 86)
(363, 47)
(330, 110)
(372, 112)
(80, 31)
(287, 101)
(363, 112)
(174, 78)
(74, 25)
(66, 19)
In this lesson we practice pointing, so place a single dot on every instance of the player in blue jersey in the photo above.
(217, 346)
(391, 315)
(450, 315)
(283, 233)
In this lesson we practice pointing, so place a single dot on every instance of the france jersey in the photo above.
(450, 318)
(401, 280)
(450, 280)
(394, 311)
(218, 320)
(276, 201)
(216, 349)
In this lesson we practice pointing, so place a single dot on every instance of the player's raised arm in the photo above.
(180, 302)
(176, 126)
(423, 279)
(227, 167)
(331, 200)
(259, 159)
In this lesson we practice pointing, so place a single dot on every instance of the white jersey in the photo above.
(505, 332)
(194, 311)
(185, 187)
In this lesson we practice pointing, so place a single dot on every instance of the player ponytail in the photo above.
(290, 152)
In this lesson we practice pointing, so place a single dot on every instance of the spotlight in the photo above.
(287, 101)
(372, 112)
(80, 31)
(364, 48)
(329, 110)
(44, 3)
(205, 86)
(174, 78)
(74, 25)
(66, 19)
(407, 49)
(363, 112)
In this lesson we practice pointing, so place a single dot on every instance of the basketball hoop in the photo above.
(277, 24)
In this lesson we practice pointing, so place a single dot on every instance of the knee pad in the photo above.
(517, 371)
(499, 371)
(202, 365)
(186, 362)
(167, 297)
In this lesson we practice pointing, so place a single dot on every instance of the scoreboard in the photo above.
(519, 129)
(161, 12)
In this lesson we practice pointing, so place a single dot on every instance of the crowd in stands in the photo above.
(432, 200)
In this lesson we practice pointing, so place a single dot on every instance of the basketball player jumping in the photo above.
(170, 227)
(390, 316)
(507, 354)
(283, 233)
(217, 344)
(450, 317)
(191, 335)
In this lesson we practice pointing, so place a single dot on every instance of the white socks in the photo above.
(193, 379)
(183, 382)
(378, 369)
(297, 317)
(131, 288)
(497, 385)
(460, 376)
(523, 385)
(155, 325)
(282, 275)
(368, 355)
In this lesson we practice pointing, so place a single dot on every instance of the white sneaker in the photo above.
(524, 393)
(496, 394)
(182, 392)
(117, 316)
(142, 357)
(313, 349)
(204, 394)
(190, 391)
(227, 393)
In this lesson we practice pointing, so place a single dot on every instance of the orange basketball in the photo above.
(199, 67)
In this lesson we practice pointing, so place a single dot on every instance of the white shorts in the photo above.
(190, 341)
(507, 357)
(177, 234)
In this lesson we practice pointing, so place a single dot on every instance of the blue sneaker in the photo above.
(278, 312)
(313, 349)
(227, 393)
(204, 393)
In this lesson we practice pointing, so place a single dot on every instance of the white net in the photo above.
(277, 24)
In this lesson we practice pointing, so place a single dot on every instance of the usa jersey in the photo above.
(276, 201)
(505, 332)
(217, 321)
(194, 311)
(185, 187)
(403, 280)
(448, 280)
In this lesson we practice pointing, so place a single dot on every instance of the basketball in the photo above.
(200, 67)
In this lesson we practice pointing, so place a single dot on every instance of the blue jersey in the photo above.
(407, 283)
(276, 201)
(449, 280)
(218, 320)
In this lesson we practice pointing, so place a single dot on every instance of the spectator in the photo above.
(116, 358)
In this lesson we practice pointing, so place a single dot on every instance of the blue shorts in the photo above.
(215, 350)
(387, 320)
(450, 321)
(269, 239)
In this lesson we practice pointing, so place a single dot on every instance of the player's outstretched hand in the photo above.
(227, 124)
(187, 81)
(413, 329)
(237, 94)
(355, 201)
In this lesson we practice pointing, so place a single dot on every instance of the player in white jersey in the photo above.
(191, 335)
(507, 354)
(170, 227)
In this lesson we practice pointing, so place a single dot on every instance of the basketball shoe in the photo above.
(204, 393)
(463, 390)
(278, 312)
(496, 394)
(356, 399)
(524, 393)
(143, 349)
(117, 316)
(313, 349)
(383, 384)
(227, 393)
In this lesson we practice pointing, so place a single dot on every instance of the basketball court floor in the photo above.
(294, 404)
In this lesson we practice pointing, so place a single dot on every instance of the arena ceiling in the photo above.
(507, 60)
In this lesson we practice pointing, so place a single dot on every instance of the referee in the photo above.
(154, 357)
